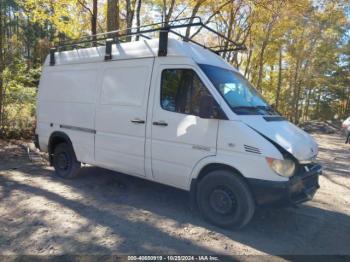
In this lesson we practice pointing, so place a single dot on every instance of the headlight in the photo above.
(284, 167)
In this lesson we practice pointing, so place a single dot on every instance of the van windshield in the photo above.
(240, 95)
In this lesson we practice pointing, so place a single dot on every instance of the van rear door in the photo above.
(180, 138)
(121, 115)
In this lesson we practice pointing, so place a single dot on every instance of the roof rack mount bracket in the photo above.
(163, 42)
(52, 56)
(108, 53)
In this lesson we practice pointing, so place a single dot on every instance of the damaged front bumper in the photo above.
(300, 188)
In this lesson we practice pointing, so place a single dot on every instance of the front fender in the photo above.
(248, 165)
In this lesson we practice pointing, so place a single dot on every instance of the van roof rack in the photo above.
(107, 39)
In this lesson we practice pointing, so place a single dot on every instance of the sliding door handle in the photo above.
(138, 121)
(160, 123)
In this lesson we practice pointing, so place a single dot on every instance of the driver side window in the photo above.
(181, 91)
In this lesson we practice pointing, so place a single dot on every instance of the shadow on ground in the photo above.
(146, 218)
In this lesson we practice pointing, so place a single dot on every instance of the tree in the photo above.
(168, 11)
(267, 30)
(93, 16)
(113, 22)
(1, 66)
(138, 18)
(279, 85)
(298, 51)
(195, 9)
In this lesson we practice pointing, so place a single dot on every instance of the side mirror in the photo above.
(208, 108)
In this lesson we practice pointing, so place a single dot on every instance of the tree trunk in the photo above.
(129, 17)
(246, 71)
(94, 22)
(288, 97)
(347, 106)
(261, 65)
(167, 15)
(1, 67)
(138, 18)
(296, 88)
(272, 69)
(318, 101)
(234, 60)
(113, 17)
(307, 105)
(229, 30)
(193, 14)
(296, 106)
(263, 48)
(279, 83)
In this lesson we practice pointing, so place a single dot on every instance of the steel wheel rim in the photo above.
(62, 161)
(223, 201)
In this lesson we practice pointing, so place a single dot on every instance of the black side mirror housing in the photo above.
(209, 108)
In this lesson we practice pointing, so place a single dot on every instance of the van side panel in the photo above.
(67, 97)
(121, 115)
(185, 139)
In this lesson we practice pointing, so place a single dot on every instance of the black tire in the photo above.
(225, 200)
(65, 161)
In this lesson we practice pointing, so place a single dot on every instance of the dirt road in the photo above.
(103, 212)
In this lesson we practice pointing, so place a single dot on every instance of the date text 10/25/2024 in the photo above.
(173, 258)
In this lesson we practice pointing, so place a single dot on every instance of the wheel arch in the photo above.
(211, 163)
(217, 166)
(202, 169)
(57, 137)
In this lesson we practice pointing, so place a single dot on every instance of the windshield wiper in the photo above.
(268, 109)
(261, 110)
(251, 109)
(245, 107)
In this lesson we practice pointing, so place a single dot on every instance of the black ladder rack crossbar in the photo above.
(109, 38)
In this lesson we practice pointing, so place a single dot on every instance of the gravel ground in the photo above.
(103, 212)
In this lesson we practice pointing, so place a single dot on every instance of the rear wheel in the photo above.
(65, 161)
(225, 200)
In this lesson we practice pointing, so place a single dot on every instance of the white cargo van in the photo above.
(176, 113)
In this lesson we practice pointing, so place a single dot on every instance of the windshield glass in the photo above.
(240, 95)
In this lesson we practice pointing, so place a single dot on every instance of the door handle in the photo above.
(160, 123)
(137, 121)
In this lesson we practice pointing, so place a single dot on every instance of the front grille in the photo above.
(306, 169)
(310, 181)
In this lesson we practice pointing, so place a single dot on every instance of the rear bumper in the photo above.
(300, 188)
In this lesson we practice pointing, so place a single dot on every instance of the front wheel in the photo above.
(225, 200)
(65, 161)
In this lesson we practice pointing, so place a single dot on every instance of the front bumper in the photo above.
(300, 188)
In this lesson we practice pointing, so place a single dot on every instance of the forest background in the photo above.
(298, 52)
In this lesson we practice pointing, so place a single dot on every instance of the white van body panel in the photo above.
(243, 163)
(67, 98)
(187, 139)
(231, 152)
(296, 141)
(94, 102)
(248, 142)
(119, 142)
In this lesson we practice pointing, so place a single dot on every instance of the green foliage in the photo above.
(20, 85)
(298, 51)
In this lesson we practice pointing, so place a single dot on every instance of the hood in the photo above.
(294, 140)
